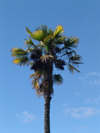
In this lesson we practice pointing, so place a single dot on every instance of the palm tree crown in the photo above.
(53, 49)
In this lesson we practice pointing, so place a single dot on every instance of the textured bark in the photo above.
(47, 98)
(47, 114)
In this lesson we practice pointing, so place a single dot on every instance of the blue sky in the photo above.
(75, 106)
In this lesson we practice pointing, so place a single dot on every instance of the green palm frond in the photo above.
(70, 53)
(75, 58)
(50, 31)
(72, 69)
(70, 43)
(18, 52)
(21, 61)
(60, 40)
(47, 39)
(20, 56)
(29, 43)
(57, 79)
(38, 35)
(28, 31)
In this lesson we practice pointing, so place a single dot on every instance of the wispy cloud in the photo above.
(80, 128)
(26, 117)
(64, 104)
(92, 78)
(89, 100)
(97, 100)
(81, 112)
(93, 101)
(94, 73)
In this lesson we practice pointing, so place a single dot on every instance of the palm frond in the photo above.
(18, 52)
(70, 43)
(60, 64)
(50, 31)
(21, 61)
(38, 74)
(38, 35)
(29, 43)
(47, 39)
(60, 40)
(75, 58)
(72, 68)
(35, 83)
(57, 79)
(28, 31)
(20, 56)
(44, 28)
(45, 58)
(58, 31)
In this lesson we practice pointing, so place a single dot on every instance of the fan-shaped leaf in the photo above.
(21, 61)
(58, 31)
(38, 35)
(18, 52)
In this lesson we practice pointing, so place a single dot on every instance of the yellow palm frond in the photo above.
(38, 35)
(59, 30)
(35, 83)
(21, 61)
(18, 52)
(61, 40)
(16, 61)
(74, 40)
(37, 74)
(14, 49)
(44, 58)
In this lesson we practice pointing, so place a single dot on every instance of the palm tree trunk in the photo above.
(47, 114)
(47, 98)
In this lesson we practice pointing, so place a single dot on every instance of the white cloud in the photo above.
(80, 128)
(97, 100)
(89, 100)
(82, 112)
(25, 117)
(92, 78)
(93, 101)
(94, 73)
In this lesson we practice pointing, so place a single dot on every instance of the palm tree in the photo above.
(52, 49)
